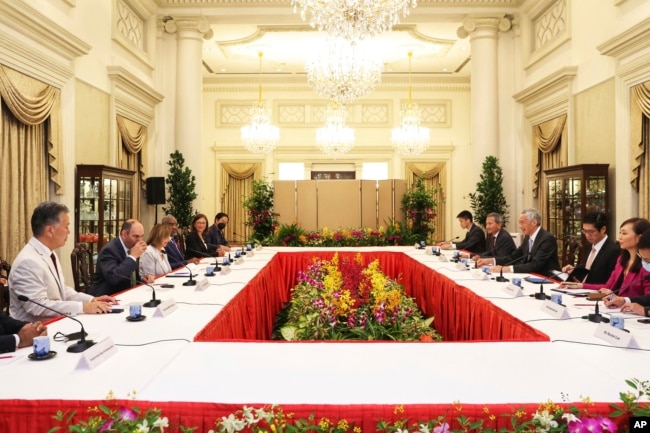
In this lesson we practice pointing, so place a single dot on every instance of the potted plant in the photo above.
(419, 207)
(489, 196)
(260, 215)
(181, 186)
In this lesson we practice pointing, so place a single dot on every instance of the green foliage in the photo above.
(419, 208)
(489, 196)
(181, 186)
(289, 236)
(260, 214)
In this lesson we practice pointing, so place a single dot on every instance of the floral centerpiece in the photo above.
(292, 235)
(340, 299)
(419, 207)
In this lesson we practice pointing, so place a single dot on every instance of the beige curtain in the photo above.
(548, 152)
(132, 138)
(30, 125)
(237, 184)
(640, 141)
(433, 177)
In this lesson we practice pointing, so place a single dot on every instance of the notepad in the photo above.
(577, 275)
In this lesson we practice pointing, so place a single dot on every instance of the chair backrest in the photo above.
(572, 251)
(5, 268)
(82, 267)
(182, 234)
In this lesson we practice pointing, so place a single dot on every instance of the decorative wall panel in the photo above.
(129, 24)
(550, 24)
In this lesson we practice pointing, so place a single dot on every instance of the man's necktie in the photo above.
(590, 259)
(56, 268)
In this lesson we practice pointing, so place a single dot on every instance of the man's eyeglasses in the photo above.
(589, 232)
(173, 224)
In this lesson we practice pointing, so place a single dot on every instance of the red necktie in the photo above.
(53, 257)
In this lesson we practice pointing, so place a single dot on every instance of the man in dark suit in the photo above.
(474, 241)
(536, 254)
(15, 333)
(173, 250)
(601, 253)
(215, 234)
(117, 263)
(499, 241)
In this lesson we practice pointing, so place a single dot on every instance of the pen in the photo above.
(6, 357)
(610, 297)
(584, 305)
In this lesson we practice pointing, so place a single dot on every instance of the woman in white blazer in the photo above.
(154, 260)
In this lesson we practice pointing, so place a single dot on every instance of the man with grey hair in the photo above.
(499, 242)
(536, 254)
(37, 274)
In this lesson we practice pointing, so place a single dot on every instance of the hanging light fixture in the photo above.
(260, 136)
(343, 71)
(353, 19)
(410, 138)
(335, 138)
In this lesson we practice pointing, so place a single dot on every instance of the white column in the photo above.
(190, 32)
(482, 31)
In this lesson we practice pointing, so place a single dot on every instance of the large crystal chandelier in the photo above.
(260, 136)
(353, 19)
(343, 71)
(335, 138)
(410, 138)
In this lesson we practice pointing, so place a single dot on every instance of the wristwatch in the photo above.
(646, 310)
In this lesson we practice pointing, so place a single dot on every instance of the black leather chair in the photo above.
(5, 268)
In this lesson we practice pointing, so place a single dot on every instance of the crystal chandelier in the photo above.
(410, 138)
(353, 19)
(343, 71)
(335, 138)
(260, 136)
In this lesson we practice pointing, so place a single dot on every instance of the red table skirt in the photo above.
(36, 416)
(460, 315)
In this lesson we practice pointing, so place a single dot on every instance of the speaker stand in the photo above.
(156, 214)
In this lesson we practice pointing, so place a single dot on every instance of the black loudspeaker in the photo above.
(155, 190)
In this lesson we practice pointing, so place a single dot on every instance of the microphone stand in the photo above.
(541, 296)
(501, 278)
(77, 347)
(190, 282)
(208, 256)
(153, 302)
(596, 317)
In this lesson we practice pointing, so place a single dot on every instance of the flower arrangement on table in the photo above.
(292, 235)
(340, 299)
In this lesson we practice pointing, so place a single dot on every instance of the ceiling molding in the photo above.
(548, 97)
(300, 84)
(287, 3)
(134, 98)
(632, 41)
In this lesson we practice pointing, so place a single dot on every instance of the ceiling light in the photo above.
(260, 136)
(335, 138)
(353, 19)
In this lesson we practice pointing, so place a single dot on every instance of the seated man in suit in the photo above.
(37, 274)
(536, 254)
(601, 253)
(216, 235)
(474, 241)
(15, 334)
(117, 263)
(499, 241)
(173, 249)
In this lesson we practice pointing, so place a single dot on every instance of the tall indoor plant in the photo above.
(181, 186)
(259, 212)
(489, 196)
(419, 207)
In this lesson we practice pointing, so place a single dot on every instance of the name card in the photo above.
(443, 258)
(461, 266)
(166, 308)
(95, 355)
(239, 260)
(225, 270)
(512, 290)
(555, 310)
(615, 336)
(479, 274)
(250, 253)
(202, 284)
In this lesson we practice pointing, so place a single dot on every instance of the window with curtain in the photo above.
(433, 177)
(132, 137)
(640, 142)
(236, 185)
(30, 125)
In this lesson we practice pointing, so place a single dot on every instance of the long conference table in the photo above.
(213, 355)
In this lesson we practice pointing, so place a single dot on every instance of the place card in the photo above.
(443, 258)
(479, 274)
(239, 260)
(461, 266)
(225, 270)
(615, 336)
(512, 290)
(202, 285)
(250, 253)
(96, 354)
(166, 308)
(555, 310)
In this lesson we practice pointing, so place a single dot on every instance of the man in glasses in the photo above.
(601, 253)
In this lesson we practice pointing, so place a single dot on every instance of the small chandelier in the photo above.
(343, 71)
(410, 138)
(335, 138)
(353, 19)
(260, 136)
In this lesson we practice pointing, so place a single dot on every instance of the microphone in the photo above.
(240, 236)
(540, 296)
(155, 266)
(153, 302)
(191, 281)
(596, 317)
(501, 278)
(243, 247)
(80, 345)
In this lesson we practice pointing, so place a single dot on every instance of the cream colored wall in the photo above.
(92, 132)
(594, 125)
(297, 139)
